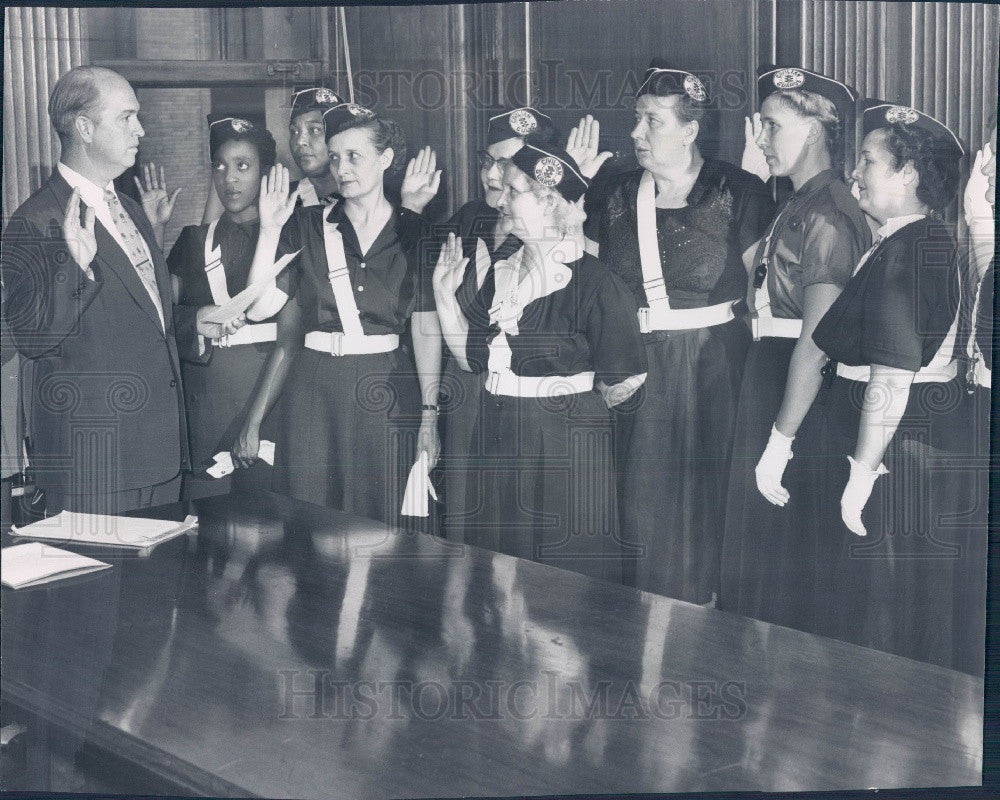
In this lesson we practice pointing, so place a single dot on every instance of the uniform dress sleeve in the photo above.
(890, 326)
(612, 330)
(183, 256)
(830, 249)
(289, 241)
(419, 242)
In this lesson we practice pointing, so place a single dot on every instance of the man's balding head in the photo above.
(79, 92)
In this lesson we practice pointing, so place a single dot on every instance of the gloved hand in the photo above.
(856, 493)
(771, 467)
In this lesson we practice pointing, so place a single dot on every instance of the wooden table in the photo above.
(292, 651)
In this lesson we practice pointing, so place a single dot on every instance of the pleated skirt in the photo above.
(776, 560)
(916, 584)
(540, 483)
(348, 427)
(674, 449)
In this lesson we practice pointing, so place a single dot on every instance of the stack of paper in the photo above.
(132, 533)
(34, 564)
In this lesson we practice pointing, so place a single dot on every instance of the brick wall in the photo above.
(174, 119)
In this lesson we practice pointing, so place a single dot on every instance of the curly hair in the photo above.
(260, 138)
(686, 108)
(810, 104)
(568, 217)
(384, 133)
(934, 160)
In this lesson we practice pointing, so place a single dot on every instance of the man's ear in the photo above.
(84, 127)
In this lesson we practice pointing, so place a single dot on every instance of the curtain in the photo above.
(940, 58)
(40, 44)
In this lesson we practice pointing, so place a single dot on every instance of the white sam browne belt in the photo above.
(659, 316)
(215, 272)
(508, 384)
(353, 340)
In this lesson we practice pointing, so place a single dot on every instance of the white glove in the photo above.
(771, 467)
(856, 493)
(753, 157)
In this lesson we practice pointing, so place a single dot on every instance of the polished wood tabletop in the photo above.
(287, 650)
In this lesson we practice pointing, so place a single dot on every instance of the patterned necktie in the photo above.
(134, 247)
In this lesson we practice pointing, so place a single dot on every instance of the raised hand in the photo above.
(80, 238)
(753, 157)
(275, 203)
(156, 202)
(977, 206)
(422, 180)
(450, 268)
(582, 145)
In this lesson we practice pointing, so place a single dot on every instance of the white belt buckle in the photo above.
(644, 320)
(755, 328)
(336, 343)
(492, 382)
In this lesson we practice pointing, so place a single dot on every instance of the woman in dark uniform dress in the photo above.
(674, 232)
(914, 585)
(209, 264)
(775, 562)
(348, 419)
(485, 241)
(548, 326)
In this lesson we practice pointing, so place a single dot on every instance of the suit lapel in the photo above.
(111, 256)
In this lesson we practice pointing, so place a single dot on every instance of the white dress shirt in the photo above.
(93, 196)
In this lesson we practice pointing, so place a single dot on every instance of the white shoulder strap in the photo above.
(649, 248)
(214, 269)
(340, 279)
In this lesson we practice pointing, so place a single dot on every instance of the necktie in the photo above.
(134, 247)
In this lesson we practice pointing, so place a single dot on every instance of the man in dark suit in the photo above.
(88, 299)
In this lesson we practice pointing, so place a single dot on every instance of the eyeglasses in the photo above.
(486, 161)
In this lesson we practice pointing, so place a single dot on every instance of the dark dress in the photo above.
(541, 483)
(916, 584)
(473, 223)
(218, 393)
(674, 440)
(775, 561)
(349, 424)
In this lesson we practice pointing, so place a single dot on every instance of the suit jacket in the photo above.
(106, 401)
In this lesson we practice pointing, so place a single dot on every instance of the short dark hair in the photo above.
(260, 138)
(384, 133)
(934, 159)
(76, 92)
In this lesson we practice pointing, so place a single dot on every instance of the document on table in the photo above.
(35, 563)
(100, 529)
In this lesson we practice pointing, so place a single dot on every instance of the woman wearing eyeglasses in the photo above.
(674, 232)
(484, 241)
(551, 335)
(775, 560)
